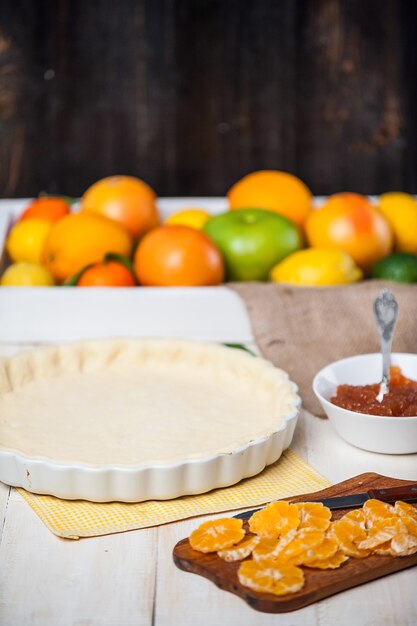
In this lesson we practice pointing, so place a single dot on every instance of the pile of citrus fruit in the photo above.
(285, 537)
(270, 230)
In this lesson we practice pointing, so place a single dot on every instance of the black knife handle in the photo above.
(391, 494)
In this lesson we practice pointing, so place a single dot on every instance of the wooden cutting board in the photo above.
(319, 584)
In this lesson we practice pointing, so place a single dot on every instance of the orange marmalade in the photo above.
(401, 401)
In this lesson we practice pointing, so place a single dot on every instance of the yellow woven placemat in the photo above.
(73, 519)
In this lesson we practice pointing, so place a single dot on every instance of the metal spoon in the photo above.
(386, 312)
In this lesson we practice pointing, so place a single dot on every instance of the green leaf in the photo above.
(73, 280)
(239, 346)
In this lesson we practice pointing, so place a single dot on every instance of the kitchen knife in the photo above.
(406, 494)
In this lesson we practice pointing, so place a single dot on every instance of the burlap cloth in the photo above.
(302, 329)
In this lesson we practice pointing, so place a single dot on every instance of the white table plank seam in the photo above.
(3, 521)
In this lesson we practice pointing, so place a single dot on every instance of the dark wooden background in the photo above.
(191, 95)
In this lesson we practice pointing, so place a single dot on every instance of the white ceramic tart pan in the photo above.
(133, 420)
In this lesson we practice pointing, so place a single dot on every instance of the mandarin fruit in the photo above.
(314, 515)
(349, 534)
(271, 577)
(178, 256)
(124, 199)
(349, 222)
(216, 535)
(332, 562)
(46, 208)
(241, 550)
(275, 191)
(80, 239)
(275, 519)
(106, 274)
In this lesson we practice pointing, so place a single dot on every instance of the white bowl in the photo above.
(389, 435)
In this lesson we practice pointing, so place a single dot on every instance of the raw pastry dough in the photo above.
(138, 402)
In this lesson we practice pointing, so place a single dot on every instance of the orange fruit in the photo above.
(106, 274)
(125, 199)
(349, 222)
(216, 535)
(274, 520)
(239, 551)
(46, 208)
(271, 577)
(403, 509)
(322, 552)
(272, 190)
(175, 256)
(80, 239)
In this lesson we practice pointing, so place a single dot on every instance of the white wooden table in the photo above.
(130, 579)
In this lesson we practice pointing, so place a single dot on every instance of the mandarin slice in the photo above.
(271, 577)
(216, 535)
(349, 534)
(264, 549)
(314, 515)
(270, 549)
(375, 510)
(332, 562)
(405, 509)
(241, 550)
(384, 549)
(323, 552)
(382, 531)
(357, 516)
(403, 544)
(411, 524)
(299, 546)
(274, 520)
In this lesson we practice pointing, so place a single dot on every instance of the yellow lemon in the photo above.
(25, 274)
(400, 211)
(194, 218)
(316, 267)
(26, 240)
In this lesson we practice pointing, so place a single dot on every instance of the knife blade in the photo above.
(391, 494)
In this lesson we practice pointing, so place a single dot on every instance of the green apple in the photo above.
(252, 241)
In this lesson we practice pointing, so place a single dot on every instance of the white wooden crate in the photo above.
(48, 315)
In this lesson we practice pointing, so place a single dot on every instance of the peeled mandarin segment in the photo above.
(323, 552)
(304, 540)
(384, 549)
(264, 550)
(411, 524)
(403, 544)
(241, 550)
(382, 531)
(357, 516)
(374, 510)
(274, 520)
(314, 515)
(403, 509)
(271, 577)
(348, 534)
(216, 535)
(332, 562)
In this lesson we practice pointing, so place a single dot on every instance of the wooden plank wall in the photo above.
(192, 94)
